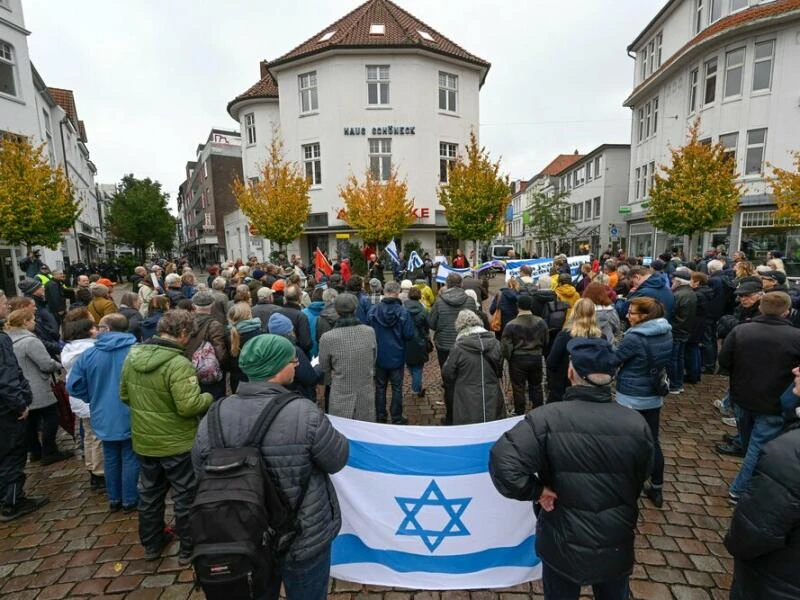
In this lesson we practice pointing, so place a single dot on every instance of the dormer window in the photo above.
(327, 36)
(377, 29)
(425, 35)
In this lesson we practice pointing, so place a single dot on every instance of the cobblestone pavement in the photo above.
(74, 548)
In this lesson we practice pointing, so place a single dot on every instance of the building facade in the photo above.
(732, 64)
(377, 90)
(205, 197)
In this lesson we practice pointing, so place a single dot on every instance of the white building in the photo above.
(734, 65)
(377, 89)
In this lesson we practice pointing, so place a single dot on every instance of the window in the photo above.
(207, 220)
(652, 175)
(327, 36)
(762, 67)
(729, 142)
(589, 171)
(308, 92)
(636, 181)
(587, 210)
(734, 70)
(447, 156)
(7, 80)
(641, 124)
(380, 158)
(377, 29)
(596, 207)
(693, 91)
(659, 43)
(377, 84)
(425, 35)
(711, 81)
(698, 16)
(250, 128)
(651, 53)
(597, 172)
(738, 5)
(644, 63)
(448, 91)
(644, 182)
(647, 118)
(715, 11)
(312, 163)
(756, 141)
(655, 115)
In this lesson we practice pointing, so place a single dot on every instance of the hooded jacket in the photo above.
(300, 446)
(506, 302)
(312, 312)
(566, 292)
(442, 318)
(160, 386)
(417, 348)
(36, 365)
(100, 306)
(652, 287)
(540, 299)
(149, 324)
(608, 322)
(69, 356)
(15, 391)
(634, 377)
(474, 367)
(393, 328)
(247, 329)
(95, 377)
(596, 455)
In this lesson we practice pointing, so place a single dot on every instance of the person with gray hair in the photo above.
(206, 329)
(684, 315)
(264, 308)
(294, 310)
(328, 316)
(101, 304)
(129, 306)
(473, 370)
(173, 284)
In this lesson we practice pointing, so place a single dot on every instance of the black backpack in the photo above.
(554, 314)
(241, 521)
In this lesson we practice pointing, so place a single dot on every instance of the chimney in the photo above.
(264, 64)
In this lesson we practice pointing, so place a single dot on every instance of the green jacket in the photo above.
(160, 386)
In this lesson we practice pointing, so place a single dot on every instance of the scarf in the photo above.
(348, 321)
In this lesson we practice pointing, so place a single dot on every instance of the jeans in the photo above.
(710, 344)
(302, 580)
(416, 378)
(693, 362)
(122, 472)
(47, 417)
(13, 454)
(652, 417)
(557, 587)
(382, 378)
(441, 356)
(755, 430)
(676, 365)
(526, 369)
(157, 476)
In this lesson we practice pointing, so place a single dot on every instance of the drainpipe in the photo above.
(66, 172)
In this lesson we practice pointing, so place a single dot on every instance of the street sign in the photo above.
(614, 232)
(624, 210)
(342, 236)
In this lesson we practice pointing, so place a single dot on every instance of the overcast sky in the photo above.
(151, 77)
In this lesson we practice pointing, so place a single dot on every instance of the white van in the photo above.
(499, 251)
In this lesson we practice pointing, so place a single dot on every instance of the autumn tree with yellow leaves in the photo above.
(698, 191)
(277, 205)
(36, 202)
(476, 195)
(377, 210)
(786, 191)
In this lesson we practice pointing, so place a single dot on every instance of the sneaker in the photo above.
(655, 495)
(733, 498)
(114, 506)
(719, 405)
(97, 482)
(729, 421)
(154, 552)
(730, 438)
(729, 449)
(57, 457)
(677, 391)
(25, 506)
(129, 508)
(184, 556)
(400, 421)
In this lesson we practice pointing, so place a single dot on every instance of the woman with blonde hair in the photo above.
(744, 269)
(242, 327)
(581, 323)
(776, 264)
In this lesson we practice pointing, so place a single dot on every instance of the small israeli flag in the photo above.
(419, 510)
(414, 261)
(391, 250)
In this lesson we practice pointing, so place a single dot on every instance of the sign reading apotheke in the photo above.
(388, 130)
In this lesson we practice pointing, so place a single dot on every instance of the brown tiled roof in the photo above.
(82, 132)
(401, 31)
(560, 163)
(743, 17)
(264, 88)
(66, 100)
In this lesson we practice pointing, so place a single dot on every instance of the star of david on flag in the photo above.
(414, 261)
(419, 510)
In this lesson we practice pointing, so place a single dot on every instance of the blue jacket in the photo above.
(393, 328)
(149, 325)
(633, 378)
(652, 287)
(95, 378)
(507, 305)
(312, 312)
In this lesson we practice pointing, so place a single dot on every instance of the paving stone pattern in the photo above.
(74, 548)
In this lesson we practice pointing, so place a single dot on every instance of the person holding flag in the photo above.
(414, 263)
(321, 264)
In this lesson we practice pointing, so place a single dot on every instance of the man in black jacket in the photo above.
(764, 535)
(293, 309)
(46, 323)
(15, 397)
(584, 462)
(756, 385)
(683, 318)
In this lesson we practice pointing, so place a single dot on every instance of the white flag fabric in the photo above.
(442, 271)
(391, 250)
(419, 510)
(414, 261)
(542, 266)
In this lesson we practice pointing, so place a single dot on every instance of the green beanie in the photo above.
(265, 355)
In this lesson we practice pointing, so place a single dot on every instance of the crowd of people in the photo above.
(141, 375)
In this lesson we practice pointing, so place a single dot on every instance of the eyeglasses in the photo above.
(102, 328)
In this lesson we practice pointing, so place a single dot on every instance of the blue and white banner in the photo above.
(443, 271)
(391, 250)
(414, 261)
(419, 510)
(542, 266)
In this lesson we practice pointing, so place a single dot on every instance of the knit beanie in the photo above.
(265, 355)
(279, 324)
(467, 318)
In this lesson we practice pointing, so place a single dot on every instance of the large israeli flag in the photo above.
(542, 266)
(442, 271)
(419, 510)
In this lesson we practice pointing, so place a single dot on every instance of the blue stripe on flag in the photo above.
(349, 549)
(430, 461)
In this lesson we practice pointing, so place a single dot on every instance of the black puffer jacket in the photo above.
(15, 391)
(301, 445)
(442, 317)
(764, 537)
(705, 295)
(596, 455)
